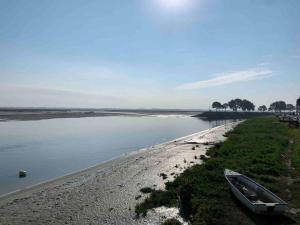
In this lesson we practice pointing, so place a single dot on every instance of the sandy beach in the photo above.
(107, 193)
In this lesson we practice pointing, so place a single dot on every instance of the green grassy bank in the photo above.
(229, 115)
(261, 148)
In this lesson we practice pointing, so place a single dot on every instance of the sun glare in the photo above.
(174, 5)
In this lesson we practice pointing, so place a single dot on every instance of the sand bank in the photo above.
(107, 193)
(40, 114)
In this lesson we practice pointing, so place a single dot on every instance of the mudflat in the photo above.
(41, 114)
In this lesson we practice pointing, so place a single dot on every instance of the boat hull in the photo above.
(258, 208)
(278, 207)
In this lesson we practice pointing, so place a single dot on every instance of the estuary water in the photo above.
(47, 149)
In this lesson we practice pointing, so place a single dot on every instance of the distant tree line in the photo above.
(235, 105)
(262, 108)
(246, 105)
(279, 106)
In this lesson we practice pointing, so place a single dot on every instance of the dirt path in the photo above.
(291, 179)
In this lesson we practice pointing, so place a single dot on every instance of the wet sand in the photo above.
(27, 114)
(57, 115)
(107, 193)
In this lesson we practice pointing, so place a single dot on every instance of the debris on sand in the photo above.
(22, 173)
(138, 197)
(163, 175)
(146, 190)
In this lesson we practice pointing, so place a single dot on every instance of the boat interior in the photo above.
(252, 191)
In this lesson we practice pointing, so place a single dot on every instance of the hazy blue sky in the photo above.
(148, 53)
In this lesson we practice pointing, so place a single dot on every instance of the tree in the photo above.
(273, 106)
(237, 103)
(247, 105)
(216, 105)
(232, 105)
(281, 105)
(278, 106)
(225, 106)
(262, 108)
(290, 107)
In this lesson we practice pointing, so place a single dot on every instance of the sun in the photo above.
(174, 5)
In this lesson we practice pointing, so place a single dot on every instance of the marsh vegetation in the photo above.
(260, 148)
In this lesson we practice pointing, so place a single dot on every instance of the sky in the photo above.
(181, 54)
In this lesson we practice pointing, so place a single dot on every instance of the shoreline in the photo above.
(45, 115)
(264, 149)
(230, 115)
(136, 168)
(97, 166)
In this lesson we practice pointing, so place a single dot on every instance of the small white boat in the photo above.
(254, 196)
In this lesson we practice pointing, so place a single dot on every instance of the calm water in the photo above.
(53, 148)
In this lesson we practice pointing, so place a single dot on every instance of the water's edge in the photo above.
(99, 166)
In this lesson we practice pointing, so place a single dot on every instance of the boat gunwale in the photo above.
(264, 203)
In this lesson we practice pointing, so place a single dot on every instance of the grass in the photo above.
(256, 149)
(295, 171)
(223, 115)
(156, 199)
(295, 134)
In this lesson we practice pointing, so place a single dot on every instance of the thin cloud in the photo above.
(229, 78)
(264, 64)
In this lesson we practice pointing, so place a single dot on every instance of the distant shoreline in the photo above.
(42, 114)
(28, 114)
